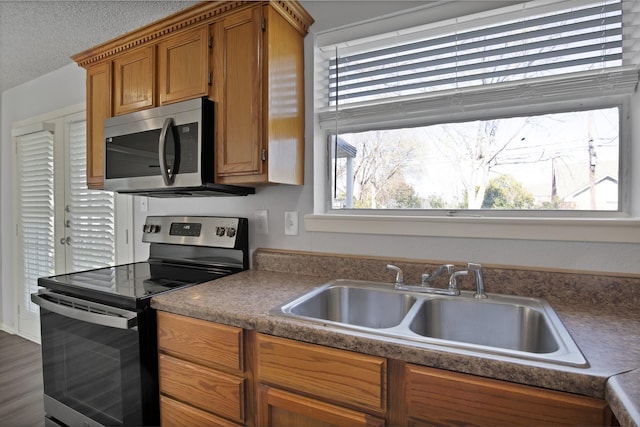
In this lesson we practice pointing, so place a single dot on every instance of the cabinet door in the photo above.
(98, 109)
(436, 397)
(134, 80)
(183, 65)
(238, 90)
(280, 408)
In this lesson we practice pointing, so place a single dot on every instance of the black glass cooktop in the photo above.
(132, 285)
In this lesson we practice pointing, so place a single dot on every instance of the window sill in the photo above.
(572, 230)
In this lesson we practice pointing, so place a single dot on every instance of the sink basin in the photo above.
(508, 326)
(501, 325)
(358, 306)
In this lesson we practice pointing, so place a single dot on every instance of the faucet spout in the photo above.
(399, 275)
(452, 280)
(429, 278)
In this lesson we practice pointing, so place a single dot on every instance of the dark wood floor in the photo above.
(20, 382)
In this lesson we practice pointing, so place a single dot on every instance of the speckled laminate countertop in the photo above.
(608, 335)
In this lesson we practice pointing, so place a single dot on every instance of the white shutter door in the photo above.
(91, 216)
(35, 212)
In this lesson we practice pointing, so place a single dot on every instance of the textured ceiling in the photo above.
(37, 37)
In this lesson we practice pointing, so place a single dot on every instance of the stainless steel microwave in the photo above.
(166, 151)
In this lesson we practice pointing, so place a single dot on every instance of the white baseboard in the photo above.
(8, 329)
(31, 338)
(13, 331)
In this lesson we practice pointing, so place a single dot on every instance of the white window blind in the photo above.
(35, 210)
(533, 53)
(91, 213)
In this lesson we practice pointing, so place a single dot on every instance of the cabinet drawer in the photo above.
(200, 341)
(202, 387)
(341, 376)
(448, 398)
(174, 413)
(281, 408)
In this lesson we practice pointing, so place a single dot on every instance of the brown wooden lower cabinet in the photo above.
(443, 398)
(201, 371)
(217, 375)
(279, 408)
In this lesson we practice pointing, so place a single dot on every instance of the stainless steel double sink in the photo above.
(512, 326)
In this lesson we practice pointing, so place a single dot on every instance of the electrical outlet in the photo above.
(262, 221)
(291, 223)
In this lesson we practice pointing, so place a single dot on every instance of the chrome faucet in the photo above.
(426, 278)
(472, 268)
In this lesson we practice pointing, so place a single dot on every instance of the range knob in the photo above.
(151, 228)
(231, 232)
(220, 231)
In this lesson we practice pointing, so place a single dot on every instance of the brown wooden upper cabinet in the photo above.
(183, 65)
(98, 108)
(247, 57)
(134, 83)
(259, 86)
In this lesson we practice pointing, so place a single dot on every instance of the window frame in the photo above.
(623, 103)
(620, 226)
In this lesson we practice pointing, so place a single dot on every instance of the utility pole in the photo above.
(593, 160)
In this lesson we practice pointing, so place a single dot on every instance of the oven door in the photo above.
(91, 362)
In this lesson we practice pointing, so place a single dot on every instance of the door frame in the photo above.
(60, 119)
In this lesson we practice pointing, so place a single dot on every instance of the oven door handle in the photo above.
(117, 318)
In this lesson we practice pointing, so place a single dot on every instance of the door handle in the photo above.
(167, 175)
(70, 307)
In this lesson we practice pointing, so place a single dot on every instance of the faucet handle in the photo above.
(399, 275)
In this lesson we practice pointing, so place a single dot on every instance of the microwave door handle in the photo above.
(167, 175)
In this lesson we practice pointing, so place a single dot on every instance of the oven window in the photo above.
(92, 369)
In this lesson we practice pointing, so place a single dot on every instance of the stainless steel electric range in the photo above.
(98, 331)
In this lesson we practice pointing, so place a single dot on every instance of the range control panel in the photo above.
(223, 232)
